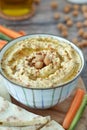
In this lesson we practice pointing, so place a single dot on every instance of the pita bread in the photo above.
(12, 115)
(20, 128)
(52, 125)
(3, 90)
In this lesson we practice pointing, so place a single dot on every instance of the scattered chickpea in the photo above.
(75, 40)
(54, 5)
(56, 16)
(84, 8)
(39, 65)
(47, 60)
(85, 15)
(75, 13)
(67, 18)
(64, 28)
(64, 33)
(85, 35)
(80, 32)
(79, 24)
(82, 44)
(67, 9)
(85, 23)
(69, 23)
(76, 7)
(60, 26)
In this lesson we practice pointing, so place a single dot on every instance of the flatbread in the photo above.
(52, 125)
(12, 115)
(20, 128)
(3, 90)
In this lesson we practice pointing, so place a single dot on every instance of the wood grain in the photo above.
(58, 112)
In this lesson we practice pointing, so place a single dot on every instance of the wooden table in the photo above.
(43, 22)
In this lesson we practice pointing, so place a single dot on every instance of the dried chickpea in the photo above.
(80, 32)
(56, 16)
(85, 35)
(69, 23)
(64, 28)
(67, 9)
(60, 26)
(47, 60)
(79, 24)
(84, 8)
(85, 15)
(85, 23)
(64, 33)
(82, 44)
(54, 5)
(75, 13)
(66, 18)
(39, 65)
(76, 7)
(75, 40)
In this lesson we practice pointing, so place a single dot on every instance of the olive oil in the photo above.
(15, 8)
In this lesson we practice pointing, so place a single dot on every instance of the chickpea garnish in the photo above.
(39, 65)
(47, 60)
(39, 58)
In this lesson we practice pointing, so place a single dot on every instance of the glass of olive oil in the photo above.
(16, 9)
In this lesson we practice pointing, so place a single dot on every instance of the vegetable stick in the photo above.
(22, 32)
(9, 32)
(2, 43)
(79, 113)
(73, 108)
(4, 37)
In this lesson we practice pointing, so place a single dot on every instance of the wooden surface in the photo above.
(43, 22)
(58, 112)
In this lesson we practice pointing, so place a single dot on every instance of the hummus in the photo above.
(41, 62)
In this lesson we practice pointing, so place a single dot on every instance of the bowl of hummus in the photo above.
(41, 70)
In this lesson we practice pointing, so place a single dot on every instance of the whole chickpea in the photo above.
(39, 58)
(39, 65)
(47, 60)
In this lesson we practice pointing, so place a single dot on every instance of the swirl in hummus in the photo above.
(41, 62)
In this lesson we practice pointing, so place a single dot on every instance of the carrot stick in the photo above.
(9, 32)
(22, 32)
(2, 43)
(79, 113)
(73, 108)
